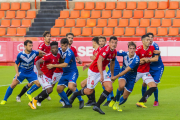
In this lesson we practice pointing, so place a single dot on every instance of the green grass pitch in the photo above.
(169, 101)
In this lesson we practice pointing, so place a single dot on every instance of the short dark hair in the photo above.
(45, 33)
(54, 43)
(27, 41)
(144, 36)
(69, 34)
(96, 39)
(102, 38)
(113, 37)
(131, 44)
(64, 41)
(150, 34)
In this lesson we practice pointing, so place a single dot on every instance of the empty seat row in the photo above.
(13, 32)
(18, 14)
(15, 6)
(129, 5)
(16, 23)
(120, 14)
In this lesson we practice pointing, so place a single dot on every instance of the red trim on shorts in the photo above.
(147, 78)
(47, 85)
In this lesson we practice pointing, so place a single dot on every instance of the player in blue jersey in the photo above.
(156, 70)
(25, 60)
(70, 73)
(127, 77)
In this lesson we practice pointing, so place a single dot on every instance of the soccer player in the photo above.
(25, 60)
(44, 46)
(97, 72)
(128, 75)
(70, 73)
(45, 75)
(145, 52)
(156, 70)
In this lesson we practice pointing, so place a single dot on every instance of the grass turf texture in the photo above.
(168, 108)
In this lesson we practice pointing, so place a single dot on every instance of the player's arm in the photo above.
(78, 59)
(92, 57)
(121, 53)
(87, 65)
(112, 64)
(154, 59)
(41, 53)
(99, 64)
(40, 61)
(17, 61)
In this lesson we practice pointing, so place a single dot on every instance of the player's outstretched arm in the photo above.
(40, 61)
(157, 52)
(78, 60)
(17, 70)
(87, 65)
(62, 65)
(41, 53)
(154, 59)
(99, 64)
(121, 74)
(112, 64)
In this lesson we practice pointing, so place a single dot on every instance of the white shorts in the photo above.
(45, 82)
(56, 77)
(35, 70)
(147, 78)
(93, 78)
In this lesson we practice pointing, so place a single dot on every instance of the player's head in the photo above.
(113, 42)
(70, 37)
(145, 40)
(102, 41)
(47, 36)
(131, 48)
(54, 47)
(95, 41)
(28, 44)
(151, 36)
(64, 44)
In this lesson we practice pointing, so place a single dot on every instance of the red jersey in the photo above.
(74, 51)
(49, 59)
(107, 54)
(144, 54)
(96, 51)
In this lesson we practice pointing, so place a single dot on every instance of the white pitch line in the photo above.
(10, 84)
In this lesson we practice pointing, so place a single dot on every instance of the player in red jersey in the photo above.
(45, 47)
(145, 53)
(45, 74)
(98, 73)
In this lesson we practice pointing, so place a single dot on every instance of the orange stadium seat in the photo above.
(138, 14)
(173, 5)
(100, 5)
(86, 31)
(118, 31)
(95, 14)
(5, 6)
(10, 14)
(79, 6)
(64, 14)
(144, 23)
(148, 14)
(5, 23)
(21, 32)
(112, 22)
(89, 5)
(134, 23)
(91, 22)
(80, 23)
(162, 31)
(108, 32)
(129, 32)
(173, 31)
(123, 22)
(97, 31)
(70, 23)
(121, 5)
(11, 32)
(2, 14)
(25, 6)
(15, 6)
(177, 14)
(127, 14)
(102, 23)
(76, 31)
(2, 31)
(176, 23)
(166, 22)
(31, 15)
(116, 14)
(20, 14)
(159, 14)
(152, 30)
(141, 5)
(152, 5)
(85, 14)
(110, 5)
(74, 14)
(169, 14)
(26, 23)
(140, 31)
(64, 31)
(131, 5)
(15, 23)
(155, 22)
(55, 31)
(59, 23)
(106, 14)
(162, 5)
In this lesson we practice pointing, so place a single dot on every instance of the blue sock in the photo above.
(118, 94)
(112, 94)
(79, 97)
(143, 90)
(32, 89)
(122, 100)
(103, 88)
(156, 94)
(8, 93)
(64, 97)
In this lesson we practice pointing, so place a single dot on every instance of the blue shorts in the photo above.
(116, 72)
(68, 77)
(157, 74)
(129, 82)
(31, 77)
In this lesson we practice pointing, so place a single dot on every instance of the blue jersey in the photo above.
(159, 63)
(116, 66)
(133, 63)
(69, 58)
(26, 61)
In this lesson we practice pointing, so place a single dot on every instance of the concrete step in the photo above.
(52, 3)
(44, 20)
(43, 24)
(43, 28)
(47, 15)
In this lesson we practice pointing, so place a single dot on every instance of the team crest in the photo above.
(104, 53)
(150, 53)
